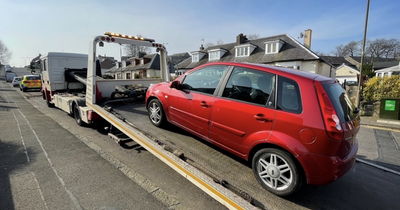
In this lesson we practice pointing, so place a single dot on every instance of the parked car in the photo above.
(294, 127)
(8, 69)
(30, 82)
(10, 76)
(16, 81)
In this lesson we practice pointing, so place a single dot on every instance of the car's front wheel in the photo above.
(156, 113)
(277, 172)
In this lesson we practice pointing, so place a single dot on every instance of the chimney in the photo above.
(307, 38)
(240, 39)
(201, 47)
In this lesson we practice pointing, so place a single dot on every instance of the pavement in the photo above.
(380, 123)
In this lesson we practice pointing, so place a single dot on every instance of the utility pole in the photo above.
(362, 59)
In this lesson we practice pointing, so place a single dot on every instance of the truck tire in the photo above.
(77, 116)
(49, 104)
(277, 172)
(156, 113)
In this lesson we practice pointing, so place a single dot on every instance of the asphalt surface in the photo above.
(44, 166)
(371, 184)
(80, 149)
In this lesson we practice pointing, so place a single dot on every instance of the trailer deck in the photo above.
(226, 170)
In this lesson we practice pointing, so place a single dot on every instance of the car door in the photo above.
(245, 112)
(190, 106)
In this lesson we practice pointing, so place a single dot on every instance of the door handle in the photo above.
(204, 104)
(262, 118)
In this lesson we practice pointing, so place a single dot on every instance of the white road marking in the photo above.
(22, 138)
(40, 190)
(61, 180)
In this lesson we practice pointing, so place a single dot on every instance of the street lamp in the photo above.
(362, 58)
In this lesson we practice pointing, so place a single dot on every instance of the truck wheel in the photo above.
(276, 171)
(156, 113)
(77, 116)
(49, 104)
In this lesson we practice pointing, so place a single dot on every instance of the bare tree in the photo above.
(252, 36)
(5, 54)
(210, 44)
(137, 51)
(391, 47)
(339, 51)
(352, 49)
(376, 47)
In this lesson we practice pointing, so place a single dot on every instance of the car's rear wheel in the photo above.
(277, 172)
(156, 113)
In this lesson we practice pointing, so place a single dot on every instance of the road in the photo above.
(48, 162)
(364, 187)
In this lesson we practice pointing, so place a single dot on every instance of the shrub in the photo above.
(378, 87)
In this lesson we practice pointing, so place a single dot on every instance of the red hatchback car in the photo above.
(295, 127)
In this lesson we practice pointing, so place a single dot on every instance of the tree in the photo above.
(353, 48)
(136, 51)
(253, 36)
(378, 48)
(210, 44)
(339, 51)
(5, 54)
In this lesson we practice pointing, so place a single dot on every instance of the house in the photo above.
(147, 66)
(345, 71)
(378, 63)
(106, 64)
(174, 60)
(394, 70)
(280, 50)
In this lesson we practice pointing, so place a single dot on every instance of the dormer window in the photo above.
(197, 56)
(244, 50)
(142, 61)
(273, 46)
(215, 54)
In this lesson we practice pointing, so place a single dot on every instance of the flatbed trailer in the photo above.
(95, 105)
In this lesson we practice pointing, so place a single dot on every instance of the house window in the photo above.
(128, 75)
(242, 51)
(195, 58)
(142, 61)
(270, 48)
(273, 46)
(214, 56)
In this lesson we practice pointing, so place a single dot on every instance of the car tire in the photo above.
(156, 113)
(277, 171)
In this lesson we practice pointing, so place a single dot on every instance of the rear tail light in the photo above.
(331, 120)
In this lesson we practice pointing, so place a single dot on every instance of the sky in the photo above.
(28, 27)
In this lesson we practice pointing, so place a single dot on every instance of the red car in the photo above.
(295, 127)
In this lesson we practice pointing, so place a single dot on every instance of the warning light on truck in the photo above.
(110, 34)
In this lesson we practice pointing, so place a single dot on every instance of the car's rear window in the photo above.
(341, 101)
(32, 78)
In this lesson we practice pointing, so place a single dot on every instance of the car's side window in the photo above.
(204, 80)
(250, 85)
(289, 95)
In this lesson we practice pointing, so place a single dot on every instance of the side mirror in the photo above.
(176, 84)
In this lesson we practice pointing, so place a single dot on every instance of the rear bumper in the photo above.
(328, 168)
